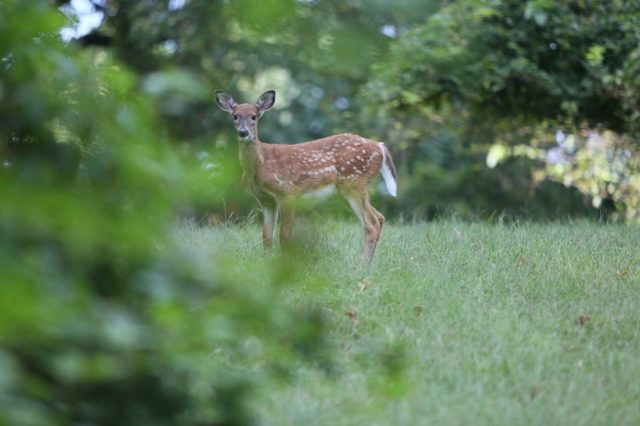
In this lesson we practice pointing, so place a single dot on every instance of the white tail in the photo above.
(388, 171)
(277, 174)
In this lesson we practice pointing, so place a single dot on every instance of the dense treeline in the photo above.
(552, 86)
(440, 82)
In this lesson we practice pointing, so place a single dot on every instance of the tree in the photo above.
(493, 72)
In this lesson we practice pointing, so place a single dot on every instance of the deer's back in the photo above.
(344, 160)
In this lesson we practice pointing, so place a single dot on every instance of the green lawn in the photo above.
(454, 323)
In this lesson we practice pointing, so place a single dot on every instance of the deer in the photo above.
(278, 174)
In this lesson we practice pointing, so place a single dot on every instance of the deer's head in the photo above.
(246, 116)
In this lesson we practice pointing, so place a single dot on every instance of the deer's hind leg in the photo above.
(371, 219)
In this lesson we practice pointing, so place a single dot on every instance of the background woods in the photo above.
(441, 82)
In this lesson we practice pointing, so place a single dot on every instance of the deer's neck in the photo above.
(250, 153)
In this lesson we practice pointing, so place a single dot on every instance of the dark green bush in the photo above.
(102, 319)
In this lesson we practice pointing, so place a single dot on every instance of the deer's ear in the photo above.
(225, 101)
(266, 101)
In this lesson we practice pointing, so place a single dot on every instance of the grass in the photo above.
(455, 323)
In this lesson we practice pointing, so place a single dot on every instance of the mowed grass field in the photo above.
(453, 323)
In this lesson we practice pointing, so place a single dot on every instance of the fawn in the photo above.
(277, 174)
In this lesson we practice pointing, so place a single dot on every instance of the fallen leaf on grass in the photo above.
(622, 274)
(583, 319)
(521, 260)
(417, 310)
(363, 284)
(534, 391)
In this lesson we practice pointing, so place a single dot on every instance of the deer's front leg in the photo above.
(268, 224)
(287, 212)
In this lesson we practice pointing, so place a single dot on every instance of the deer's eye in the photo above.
(253, 117)
(235, 117)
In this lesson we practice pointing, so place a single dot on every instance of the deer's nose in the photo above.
(243, 133)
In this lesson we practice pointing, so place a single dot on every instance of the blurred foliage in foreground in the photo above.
(102, 319)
